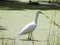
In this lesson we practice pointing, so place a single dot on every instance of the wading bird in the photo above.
(29, 28)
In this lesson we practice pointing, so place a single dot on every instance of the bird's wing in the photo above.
(28, 28)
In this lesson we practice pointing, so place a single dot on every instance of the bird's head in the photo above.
(39, 11)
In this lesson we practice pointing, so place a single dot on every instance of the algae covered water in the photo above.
(15, 20)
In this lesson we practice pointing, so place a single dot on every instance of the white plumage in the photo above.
(29, 28)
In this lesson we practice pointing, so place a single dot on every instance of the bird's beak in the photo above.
(42, 13)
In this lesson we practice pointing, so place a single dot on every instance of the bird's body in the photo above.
(29, 28)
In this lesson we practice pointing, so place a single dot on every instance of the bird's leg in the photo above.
(29, 36)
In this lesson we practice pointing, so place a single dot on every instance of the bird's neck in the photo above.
(36, 18)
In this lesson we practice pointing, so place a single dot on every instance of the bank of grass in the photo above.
(14, 5)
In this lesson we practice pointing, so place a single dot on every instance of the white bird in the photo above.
(29, 28)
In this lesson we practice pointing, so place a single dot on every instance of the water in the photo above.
(15, 20)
